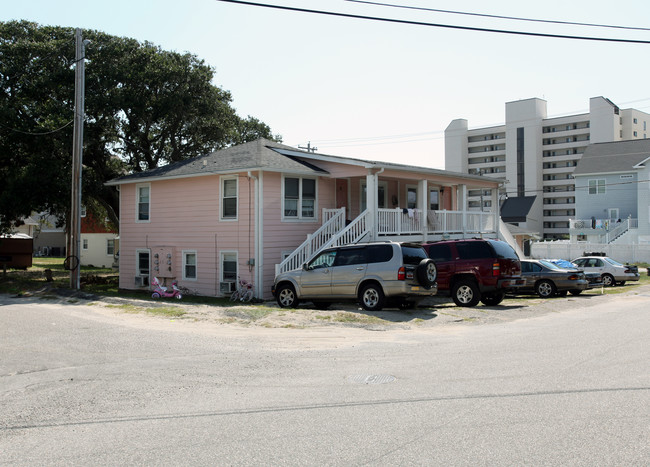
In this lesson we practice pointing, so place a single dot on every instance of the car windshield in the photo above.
(413, 255)
(614, 262)
(503, 250)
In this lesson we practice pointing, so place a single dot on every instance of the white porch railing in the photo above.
(608, 229)
(353, 233)
(390, 222)
(315, 241)
(411, 222)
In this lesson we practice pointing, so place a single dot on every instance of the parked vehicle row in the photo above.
(470, 271)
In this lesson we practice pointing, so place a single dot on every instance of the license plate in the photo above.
(415, 289)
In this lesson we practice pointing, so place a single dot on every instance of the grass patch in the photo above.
(167, 311)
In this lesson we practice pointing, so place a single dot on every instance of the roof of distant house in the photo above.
(516, 209)
(615, 157)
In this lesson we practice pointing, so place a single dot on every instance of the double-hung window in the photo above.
(596, 187)
(299, 200)
(189, 265)
(143, 201)
(229, 266)
(229, 198)
(110, 247)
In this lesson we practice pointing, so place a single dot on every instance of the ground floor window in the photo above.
(85, 243)
(110, 247)
(229, 266)
(189, 265)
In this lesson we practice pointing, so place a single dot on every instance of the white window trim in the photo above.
(362, 185)
(221, 256)
(107, 241)
(84, 244)
(596, 180)
(137, 261)
(222, 180)
(299, 217)
(184, 254)
(137, 203)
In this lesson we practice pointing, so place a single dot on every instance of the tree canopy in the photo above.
(144, 107)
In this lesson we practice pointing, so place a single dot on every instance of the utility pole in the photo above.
(74, 234)
(309, 148)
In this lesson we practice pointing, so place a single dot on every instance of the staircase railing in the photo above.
(621, 228)
(353, 233)
(314, 242)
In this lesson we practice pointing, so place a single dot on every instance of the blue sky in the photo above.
(377, 90)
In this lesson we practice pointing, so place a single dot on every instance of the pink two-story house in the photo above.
(262, 207)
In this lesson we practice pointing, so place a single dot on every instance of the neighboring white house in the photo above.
(613, 194)
(537, 156)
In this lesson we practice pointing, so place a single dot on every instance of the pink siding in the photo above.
(286, 235)
(184, 215)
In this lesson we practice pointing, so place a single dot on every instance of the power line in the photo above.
(515, 18)
(448, 26)
(36, 134)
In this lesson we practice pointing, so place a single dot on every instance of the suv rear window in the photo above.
(504, 251)
(474, 250)
(379, 253)
(440, 253)
(413, 254)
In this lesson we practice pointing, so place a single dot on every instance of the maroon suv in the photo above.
(474, 270)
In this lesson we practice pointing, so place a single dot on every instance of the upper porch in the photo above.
(385, 204)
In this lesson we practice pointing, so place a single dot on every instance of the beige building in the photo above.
(537, 156)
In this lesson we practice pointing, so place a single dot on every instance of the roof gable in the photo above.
(616, 157)
(255, 155)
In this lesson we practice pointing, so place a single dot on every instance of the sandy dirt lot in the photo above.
(435, 312)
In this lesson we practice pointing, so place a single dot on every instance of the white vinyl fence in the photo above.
(569, 251)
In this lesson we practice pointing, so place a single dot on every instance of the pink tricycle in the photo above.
(161, 291)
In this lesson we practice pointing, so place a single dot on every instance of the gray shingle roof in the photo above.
(619, 156)
(516, 209)
(255, 155)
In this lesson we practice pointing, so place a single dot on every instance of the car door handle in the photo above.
(360, 269)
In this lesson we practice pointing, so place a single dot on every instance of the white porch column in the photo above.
(495, 208)
(423, 197)
(462, 205)
(372, 203)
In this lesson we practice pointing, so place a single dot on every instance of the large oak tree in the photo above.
(144, 107)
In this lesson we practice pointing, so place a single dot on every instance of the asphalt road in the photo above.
(82, 387)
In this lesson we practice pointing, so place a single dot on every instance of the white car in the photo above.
(610, 270)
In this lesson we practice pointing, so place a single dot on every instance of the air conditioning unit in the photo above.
(226, 287)
(141, 281)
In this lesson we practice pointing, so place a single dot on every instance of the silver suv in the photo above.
(375, 274)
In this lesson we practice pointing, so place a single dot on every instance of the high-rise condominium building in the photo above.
(537, 155)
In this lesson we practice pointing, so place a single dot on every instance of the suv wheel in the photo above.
(372, 297)
(286, 296)
(493, 298)
(466, 293)
(426, 273)
(545, 289)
